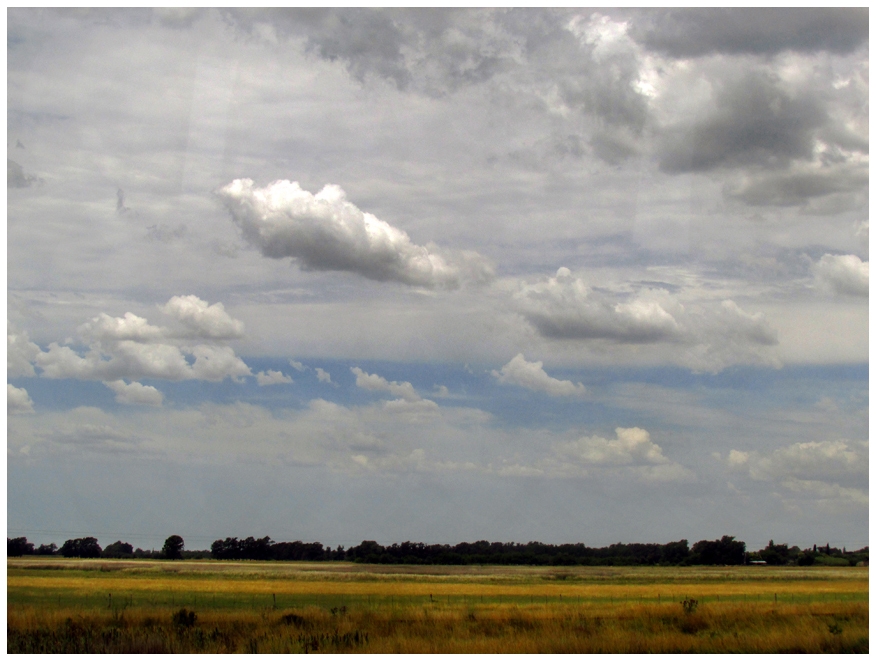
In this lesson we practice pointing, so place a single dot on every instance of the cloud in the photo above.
(843, 274)
(16, 176)
(377, 383)
(565, 307)
(707, 336)
(208, 321)
(750, 120)
(129, 347)
(323, 376)
(630, 455)
(799, 186)
(297, 366)
(20, 352)
(272, 378)
(17, 400)
(690, 32)
(821, 469)
(135, 393)
(519, 372)
(325, 232)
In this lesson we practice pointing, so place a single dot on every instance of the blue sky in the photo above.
(333, 275)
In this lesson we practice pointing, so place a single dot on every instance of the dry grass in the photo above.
(78, 606)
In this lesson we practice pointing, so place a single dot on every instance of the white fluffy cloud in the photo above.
(821, 469)
(326, 232)
(17, 400)
(843, 274)
(210, 321)
(323, 376)
(20, 352)
(135, 393)
(631, 454)
(377, 383)
(272, 377)
(520, 372)
(708, 335)
(129, 347)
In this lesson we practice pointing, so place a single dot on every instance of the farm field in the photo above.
(61, 605)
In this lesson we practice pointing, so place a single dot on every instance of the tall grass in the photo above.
(626, 628)
(88, 607)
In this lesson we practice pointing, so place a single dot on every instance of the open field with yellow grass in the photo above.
(66, 605)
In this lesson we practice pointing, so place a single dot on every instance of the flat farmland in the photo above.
(119, 606)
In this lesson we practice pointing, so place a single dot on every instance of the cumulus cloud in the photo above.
(323, 376)
(17, 400)
(630, 455)
(299, 367)
(20, 352)
(843, 274)
(565, 307)
(129, 347)
(377, 383)
(272, 377)
(208, 321)
(520, 372)
(326, 232)
(707, 336)
(135, 393)
(821, 469)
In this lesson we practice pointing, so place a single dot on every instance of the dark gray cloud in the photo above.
(753, 122)
(756, 31)
(16, 177)
(798, 187)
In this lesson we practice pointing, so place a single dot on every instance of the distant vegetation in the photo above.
(724, 551)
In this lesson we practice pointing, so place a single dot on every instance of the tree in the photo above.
(18, 546)
(118, 549)
(82, 547)
(173, 547)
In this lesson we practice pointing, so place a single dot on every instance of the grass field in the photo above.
(59, 605)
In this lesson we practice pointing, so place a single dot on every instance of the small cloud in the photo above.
(297, 366)
(843, 274)
(120, 202)
(135, 393)
(165, 233)
(206, 320)
(16, 176)
(272, 378)
(323, 376)
(519, 372)
(374, 382)
(441, 391)
(17, 400)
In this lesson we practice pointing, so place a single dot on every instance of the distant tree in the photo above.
(724, 551)
(46, 549)
(118, 549)
(83, 547)
(173, 548)
(18, 546)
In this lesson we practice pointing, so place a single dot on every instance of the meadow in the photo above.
(117, 606)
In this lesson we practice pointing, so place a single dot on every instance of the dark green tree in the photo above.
(82, 547)
(118, 549)
(18, 546)
(173, 548)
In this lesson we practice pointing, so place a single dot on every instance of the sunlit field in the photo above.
(60, 605)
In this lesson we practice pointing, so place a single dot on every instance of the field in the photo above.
(60, 605)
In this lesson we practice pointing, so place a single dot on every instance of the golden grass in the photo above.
(94, 606)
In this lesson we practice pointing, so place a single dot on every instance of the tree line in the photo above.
(725, 551)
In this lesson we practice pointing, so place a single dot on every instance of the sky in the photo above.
(440, 275)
